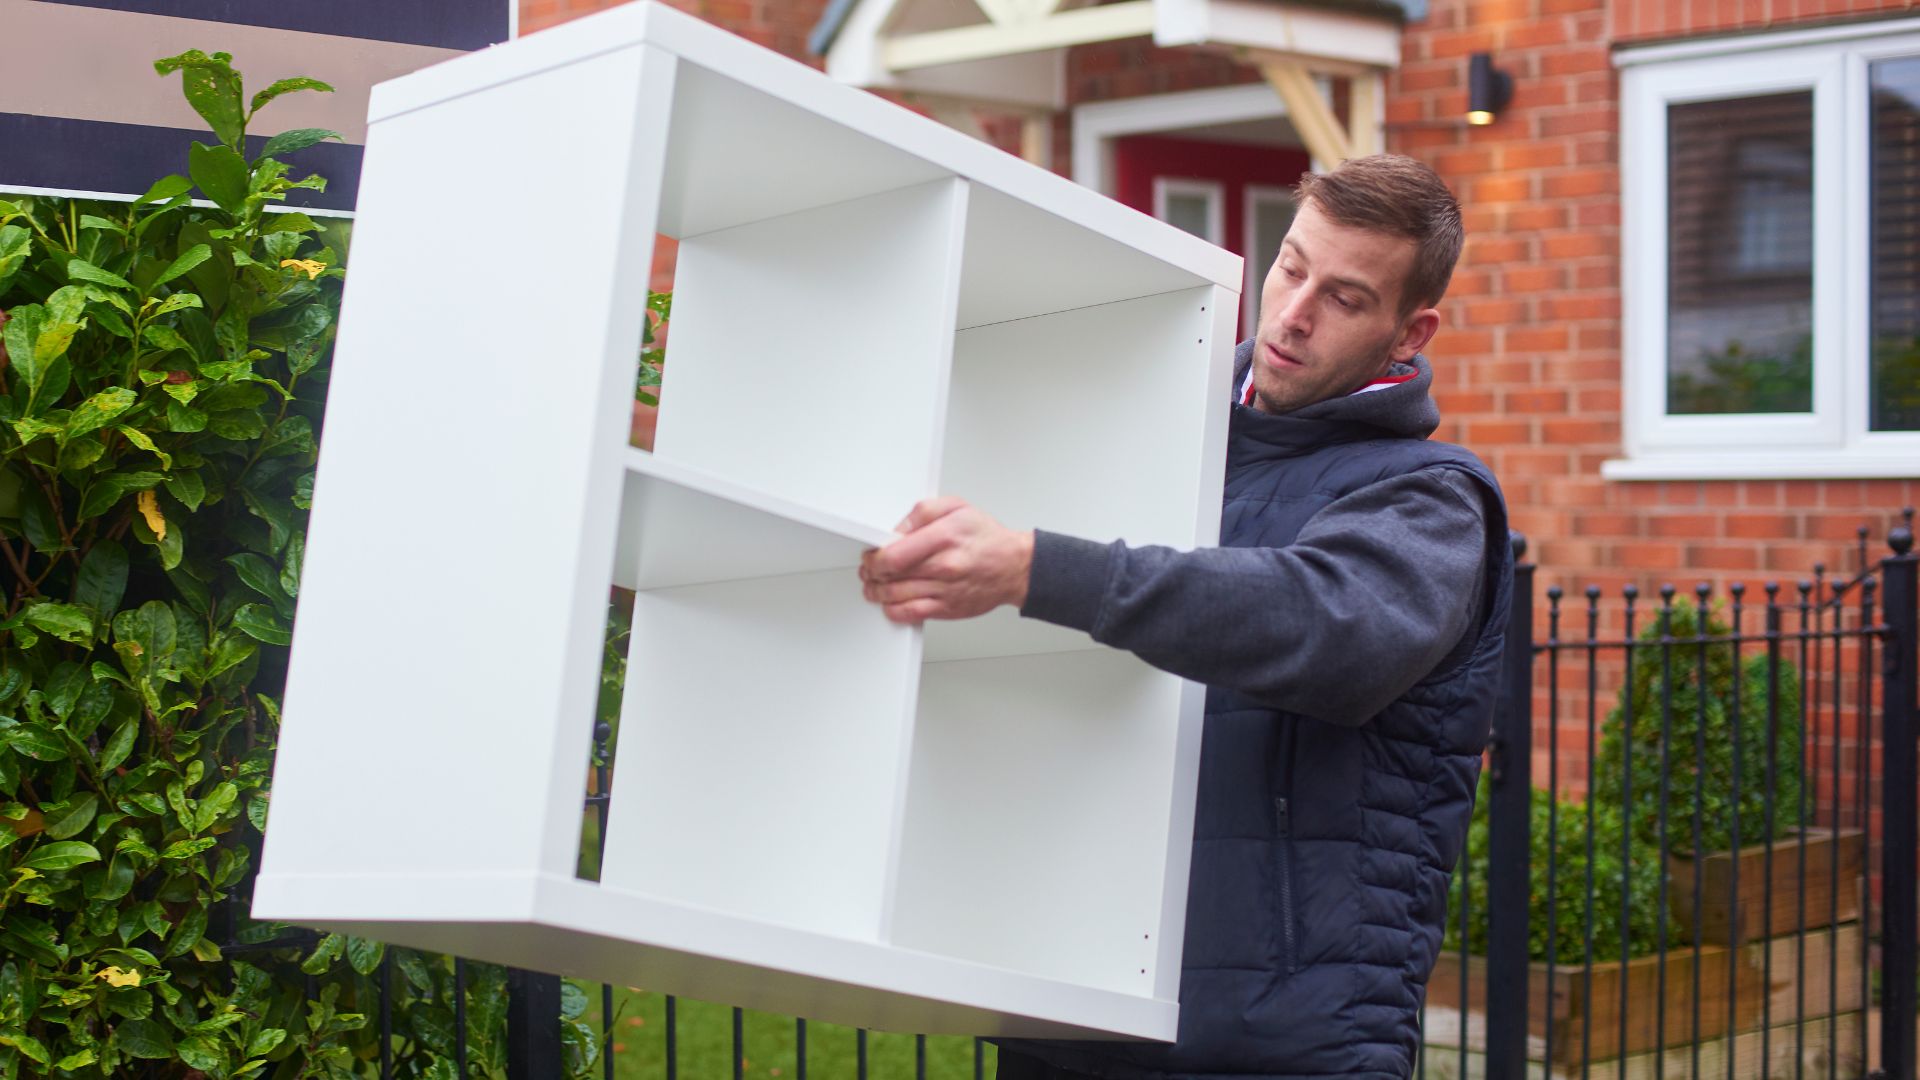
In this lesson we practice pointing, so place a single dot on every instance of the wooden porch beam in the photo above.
(1311, 114)
(1364, 136)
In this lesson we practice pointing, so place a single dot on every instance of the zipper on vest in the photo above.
(1283, 825)
(1288, 747)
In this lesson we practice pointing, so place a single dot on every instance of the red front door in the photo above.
(1235, 195)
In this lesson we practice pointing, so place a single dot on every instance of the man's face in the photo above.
(1330, 313)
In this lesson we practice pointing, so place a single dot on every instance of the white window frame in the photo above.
(1165, 187)
(1254, 195)
(1832, 440)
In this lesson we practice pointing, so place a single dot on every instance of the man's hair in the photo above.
(1396, 195)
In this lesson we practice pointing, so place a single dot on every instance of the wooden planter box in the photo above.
(1718, 908)
(1796, 990)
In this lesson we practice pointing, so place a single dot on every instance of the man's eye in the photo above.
(1344, 301)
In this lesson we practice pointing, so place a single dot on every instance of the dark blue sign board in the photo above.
(97, 157)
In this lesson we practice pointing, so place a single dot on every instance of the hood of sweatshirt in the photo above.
(1403, 410)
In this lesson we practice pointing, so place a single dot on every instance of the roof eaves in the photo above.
(834, 19)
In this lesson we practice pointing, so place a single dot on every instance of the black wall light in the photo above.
(1488, 89)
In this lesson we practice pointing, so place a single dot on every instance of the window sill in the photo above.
(1764, 465)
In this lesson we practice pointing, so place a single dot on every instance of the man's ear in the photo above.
(1419, 330)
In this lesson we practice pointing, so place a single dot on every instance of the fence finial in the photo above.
(1518, 541)
(1901, 538)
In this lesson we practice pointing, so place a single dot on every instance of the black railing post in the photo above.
(533, 1026)
(1509, 841)
(1899, 791)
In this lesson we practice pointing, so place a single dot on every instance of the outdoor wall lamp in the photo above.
(1488, 89)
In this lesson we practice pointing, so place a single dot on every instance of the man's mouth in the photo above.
(1280, 358)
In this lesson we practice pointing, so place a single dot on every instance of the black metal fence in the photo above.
(1697, 852)
(1693, 855)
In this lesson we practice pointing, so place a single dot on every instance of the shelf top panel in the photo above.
(923, 148)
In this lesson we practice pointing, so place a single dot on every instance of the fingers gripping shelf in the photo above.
(982, 827)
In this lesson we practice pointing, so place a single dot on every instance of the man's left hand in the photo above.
(953, 561)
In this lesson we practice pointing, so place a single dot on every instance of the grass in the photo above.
(703, 1037)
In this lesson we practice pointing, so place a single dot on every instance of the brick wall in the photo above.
(1528, 361)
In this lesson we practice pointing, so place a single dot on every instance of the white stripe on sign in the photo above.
(85, 63)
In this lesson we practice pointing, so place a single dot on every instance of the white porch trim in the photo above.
(1013, 55)
(1095, 125)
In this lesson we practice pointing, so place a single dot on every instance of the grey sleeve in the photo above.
(1375, 591)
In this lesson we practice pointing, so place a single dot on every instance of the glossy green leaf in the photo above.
(64, 855)
(30, 1048)
(258, 622)
(77, 816)
(16, 246)
(221, 175)
(36, 742)
(102, 579)
(287, 86)
(119, 745)
(187, 487)
(99, 410)
(69, 623)
(166, 339)
(364, 954)
(290, 571)
(163, 189)
(143, 1039)
(212, 87)
(258, 574)
(179, 301)
(82, 270)
(108, 490)
(140, 439)
(188, 259)
(20, 335)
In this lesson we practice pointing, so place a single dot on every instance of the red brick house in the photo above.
(1684, 329)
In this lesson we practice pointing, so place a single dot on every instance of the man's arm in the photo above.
(1371, 596)
(1377, 589)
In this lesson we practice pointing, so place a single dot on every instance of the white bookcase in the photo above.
(982, 827)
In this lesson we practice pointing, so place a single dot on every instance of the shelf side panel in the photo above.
(1037, 820)
(461, 541)
(762, 745)
(809, 353)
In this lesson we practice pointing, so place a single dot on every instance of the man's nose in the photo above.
(1295, 314)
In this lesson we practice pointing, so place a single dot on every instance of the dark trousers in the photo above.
(1018, 1066)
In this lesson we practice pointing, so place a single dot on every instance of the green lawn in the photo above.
(704, 1043)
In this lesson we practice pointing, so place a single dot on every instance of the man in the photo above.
(1349, 629)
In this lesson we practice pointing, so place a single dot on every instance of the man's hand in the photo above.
(954, 562)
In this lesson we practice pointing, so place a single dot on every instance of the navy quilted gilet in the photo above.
(1321, 852)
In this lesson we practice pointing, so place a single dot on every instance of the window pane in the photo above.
(1189, 211)
(1272, 217)
(1740, 255)
(1894, 397)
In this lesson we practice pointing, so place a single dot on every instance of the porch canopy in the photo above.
(1010, 55)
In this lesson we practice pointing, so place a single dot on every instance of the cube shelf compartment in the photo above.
(980, 827)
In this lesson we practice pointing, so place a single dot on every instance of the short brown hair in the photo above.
(1402, 197)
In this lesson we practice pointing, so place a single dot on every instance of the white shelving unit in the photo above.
(982, 827)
